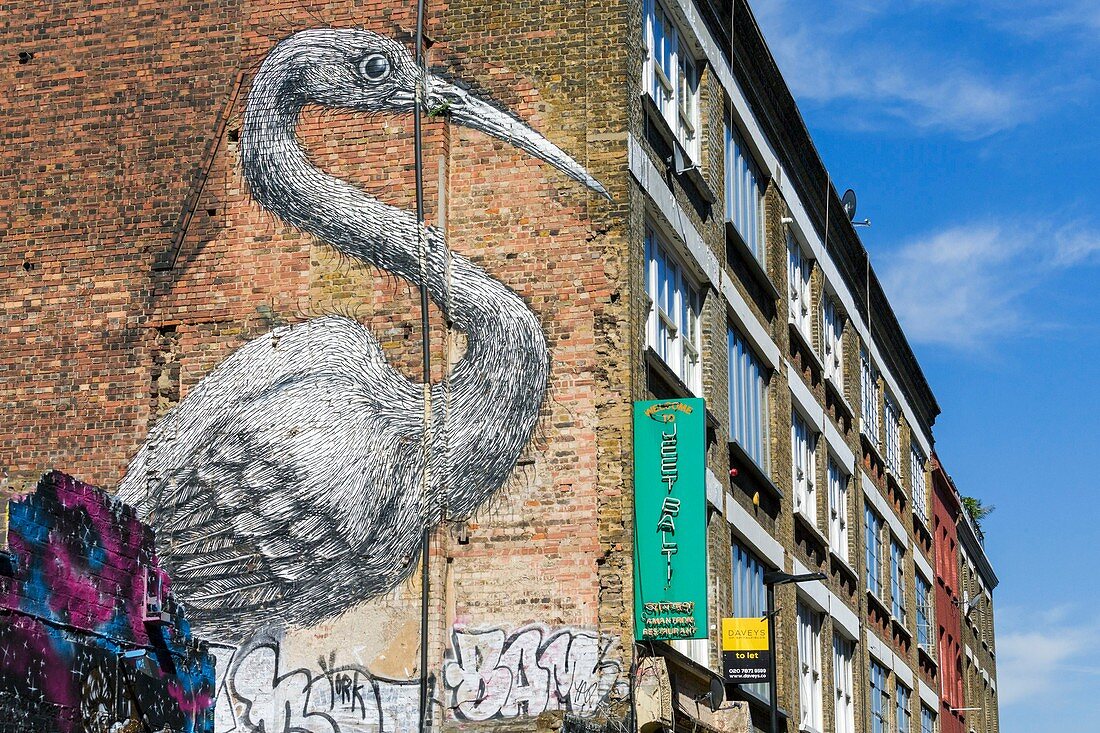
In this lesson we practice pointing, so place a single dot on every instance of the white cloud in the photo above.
(1037, 658)
(965, 286)
(835, 53)
(955, 287)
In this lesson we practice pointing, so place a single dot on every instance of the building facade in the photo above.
(202, 188)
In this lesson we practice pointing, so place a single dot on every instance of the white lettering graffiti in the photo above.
(532, 670)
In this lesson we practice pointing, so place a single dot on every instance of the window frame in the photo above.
(743, 189)
(748, 594)
(918, 485)
(891, 417)
(897, 582)
(873, 527)
(879, 697)
(740, 371)
(926, 618)
(832, 329)
(927, 719)
(902, 698)
(676, 335)
(839, 482)
(675, 89)
(811, 711)
(804, 442)
(844, 712)
(800, 268)
(868, 390)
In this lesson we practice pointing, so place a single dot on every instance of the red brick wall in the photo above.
(945, 508)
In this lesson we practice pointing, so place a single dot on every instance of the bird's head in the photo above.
(359, 70)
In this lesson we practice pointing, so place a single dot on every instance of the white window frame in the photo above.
(904, 717)
(880, 721)
(749, 597)
(744, 190)
(918, 486)
(897, 581)
(873, 527)
(927, 719)
(799, 290)
(892, 418)
(747, 380)
(809, 669)
(869, 417)
(832, 322)
(673, 329)
(839, 482)
(926, 616)
(844, 709)
(804, 467)
(672, 75)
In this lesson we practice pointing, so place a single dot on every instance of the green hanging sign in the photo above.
(670, 520)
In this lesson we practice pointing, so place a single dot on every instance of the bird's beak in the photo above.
(467, 110)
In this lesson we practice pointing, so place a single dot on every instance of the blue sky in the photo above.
(969, 131)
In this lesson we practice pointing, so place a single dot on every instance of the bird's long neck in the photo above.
(497, 389)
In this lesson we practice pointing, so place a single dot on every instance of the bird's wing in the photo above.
(300, 473)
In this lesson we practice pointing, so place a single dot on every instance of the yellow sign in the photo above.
(745, 655)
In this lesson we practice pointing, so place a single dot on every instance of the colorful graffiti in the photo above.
(90, 634)
(287, 484)
(491, 674)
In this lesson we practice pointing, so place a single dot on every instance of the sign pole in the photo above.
(774, 689)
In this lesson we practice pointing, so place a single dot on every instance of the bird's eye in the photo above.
(375, 67)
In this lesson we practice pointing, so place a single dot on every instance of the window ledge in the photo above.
(870, 446)
(843, 565)
(654, 361)
(928, 655)
(805, 347)
(900, 627)
(837, 391)
(744, 460)
(810, 526)
(734, 238)
(874, 600)
(690, 170)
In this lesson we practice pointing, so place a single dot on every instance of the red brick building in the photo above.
(947, 513)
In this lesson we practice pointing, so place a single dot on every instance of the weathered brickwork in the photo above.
(136, 259)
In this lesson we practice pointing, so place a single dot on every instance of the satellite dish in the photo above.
(848, 201)
(717, 693)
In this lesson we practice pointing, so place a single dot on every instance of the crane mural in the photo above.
(287, 483)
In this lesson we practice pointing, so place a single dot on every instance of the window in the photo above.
(804, 461)
(925, 617)
(809, 668)
(799, 269)
(744, 196)
(927, 719)
(833, 332)
(916, 482)
(673, 327)
(844, 712)
(872, 533)
(671, 76)
(897, 581)
(748, 399)
(893, 436)
(838, 510)
(749, 595)
(868, 397)
(902, 701)
(879, 699)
